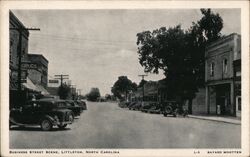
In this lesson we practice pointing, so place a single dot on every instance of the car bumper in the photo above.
(62, 123)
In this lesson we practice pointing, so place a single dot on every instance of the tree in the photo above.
(93, 95)
(141, 84)
(122, 87)
(164, 49)
(63, 91)
(180, 54)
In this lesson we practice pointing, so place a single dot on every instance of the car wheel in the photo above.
(165, 114)
(168, 109)
(46, 125)
(62, 126)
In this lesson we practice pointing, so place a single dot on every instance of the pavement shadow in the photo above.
(38, 129)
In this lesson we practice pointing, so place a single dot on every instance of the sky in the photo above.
(95, 47)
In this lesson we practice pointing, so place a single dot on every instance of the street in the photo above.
(105, 125)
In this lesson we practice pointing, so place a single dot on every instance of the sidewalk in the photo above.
(232, 120)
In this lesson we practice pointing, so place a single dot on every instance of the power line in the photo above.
(77, 38)
(61, 77)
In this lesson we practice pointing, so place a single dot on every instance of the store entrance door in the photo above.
(238, 106)
(223, 99)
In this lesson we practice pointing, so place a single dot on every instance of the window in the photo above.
(224, 66)
(212, 69)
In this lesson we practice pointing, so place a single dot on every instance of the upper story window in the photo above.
(212, 69)
(225, 65)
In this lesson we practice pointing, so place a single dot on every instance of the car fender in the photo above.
(49, 118)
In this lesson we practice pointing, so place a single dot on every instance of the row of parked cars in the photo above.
(166, 108)
(47, 112)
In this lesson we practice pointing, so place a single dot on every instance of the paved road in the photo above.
(105, 125)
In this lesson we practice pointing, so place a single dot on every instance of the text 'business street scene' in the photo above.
(125, 78)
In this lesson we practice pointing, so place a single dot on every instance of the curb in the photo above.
(230, 122)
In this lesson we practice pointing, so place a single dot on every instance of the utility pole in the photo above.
(19, 71)
(62, 77)
(79, 90)
(71, 89)
(143, 85)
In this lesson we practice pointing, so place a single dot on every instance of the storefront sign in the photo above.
(53, 81)
(29, 66)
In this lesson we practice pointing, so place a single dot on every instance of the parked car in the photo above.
(136, 106)
(72, 105)
(146, 106)
(46, 113)
(155, 108)
(173, 108)
(131, 104)
(82, 104)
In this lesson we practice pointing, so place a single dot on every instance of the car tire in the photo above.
(62, 126)
(46, 125)
(165, 114)
(168, 109)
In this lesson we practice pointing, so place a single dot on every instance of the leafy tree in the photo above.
(93, 95)
(122, 86)
(63, 91)
(180, 54)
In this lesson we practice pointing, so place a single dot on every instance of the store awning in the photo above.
(42, 89)
(29, 85)
(35, 87)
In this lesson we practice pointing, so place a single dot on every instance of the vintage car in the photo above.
(131, 104)
(72, 105)
(82, 104)
(46, 113)
(155, 108)
(136, 106)
(146, 106)
(173, 108)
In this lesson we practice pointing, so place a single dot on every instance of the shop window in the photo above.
(225, 66)
(212, 69)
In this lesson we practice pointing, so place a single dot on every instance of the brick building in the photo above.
(222, 75)
(14, 35)
(39, 72)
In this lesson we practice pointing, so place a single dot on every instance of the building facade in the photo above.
(222, 66)
(18, 48)
(37, 67)
(15, 47)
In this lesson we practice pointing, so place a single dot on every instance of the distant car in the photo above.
(136, 106)
(145, 106)
(155, 108)
(46, 113)
(131, 104)
(173, 108)
(72, 105)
